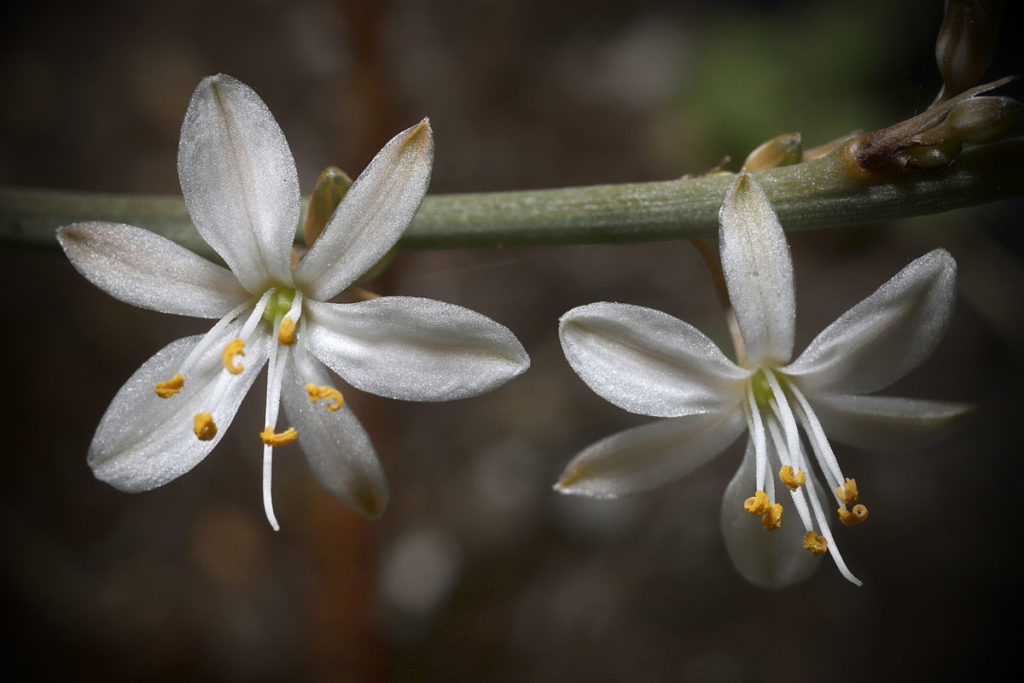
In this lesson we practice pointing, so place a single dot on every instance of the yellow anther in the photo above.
(847, 492)
(326, 393)
(757, 504)
(772, 517)
(286, 333)
(792, 481)
(235, 347)
(815, 543)
(204, 426)
(855, 516)
(271, 438)
(170, 387)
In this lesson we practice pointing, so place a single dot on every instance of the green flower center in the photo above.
(279, 303)
(762, 389)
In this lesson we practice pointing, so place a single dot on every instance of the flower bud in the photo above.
(783, 150)
(966, 42)
(933, 156)
(330, 188)
(980, 120)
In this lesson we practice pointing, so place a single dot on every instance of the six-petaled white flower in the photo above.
(241, 189)
(651, 363)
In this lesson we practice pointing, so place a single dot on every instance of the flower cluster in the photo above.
(273, 307)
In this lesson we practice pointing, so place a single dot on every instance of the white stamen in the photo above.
(295, 312)
(780, 406)
(826, 532)
(215, 335)
(819, 442)
(760, 447)
(257, 313)
(798, 495)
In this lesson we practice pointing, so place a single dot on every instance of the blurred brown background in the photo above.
(478, 571)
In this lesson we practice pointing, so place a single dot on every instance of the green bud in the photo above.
(785, 150)
(330, 188)
(981, 120)
(933, 156)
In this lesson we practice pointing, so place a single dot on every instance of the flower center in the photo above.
(788, 439)
(762, 390)
(279, 303)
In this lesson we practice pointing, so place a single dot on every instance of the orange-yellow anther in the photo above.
(271, 438)
(235, 347)
(772, 517)
(815, 543)
(204, 426)
(757, 504)
(170, 387)
(847, 492)
(791, 480)
(326, 393)
(286, 332)
(855, 516)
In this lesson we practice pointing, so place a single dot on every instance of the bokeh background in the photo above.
(478, 571)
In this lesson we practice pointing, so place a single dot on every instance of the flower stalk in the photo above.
(820, 193)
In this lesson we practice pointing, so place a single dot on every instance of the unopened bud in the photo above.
(828, 147)
(330, 188)
(783, 150)
(981, 120)
(933, 156)
(966, 42)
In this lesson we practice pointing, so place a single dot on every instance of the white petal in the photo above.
(414, 349)
(375, 212)
(770, 559)
(144, 441)
(147, 270)
(886, 335)
(649, 456)
(648, 362)
(758, 272)
(886, 423)
(239, 181)
(336, 446)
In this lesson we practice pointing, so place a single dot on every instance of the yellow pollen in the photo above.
(847, 492)
(772, 517)
(271, 438)
(170, 387)
(326, 393)
(204, 426)
(286, 333)
(815, 543)
(758, 504)
(235, 347)
(792, 481)
(855, 516)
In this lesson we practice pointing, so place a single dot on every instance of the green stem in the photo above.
(821, 193)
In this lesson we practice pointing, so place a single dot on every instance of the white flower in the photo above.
(241, 189)
(651, 363)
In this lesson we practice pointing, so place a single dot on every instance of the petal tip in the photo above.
(369, 501)
(421, 135)
(568, 483)
(575, 482)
